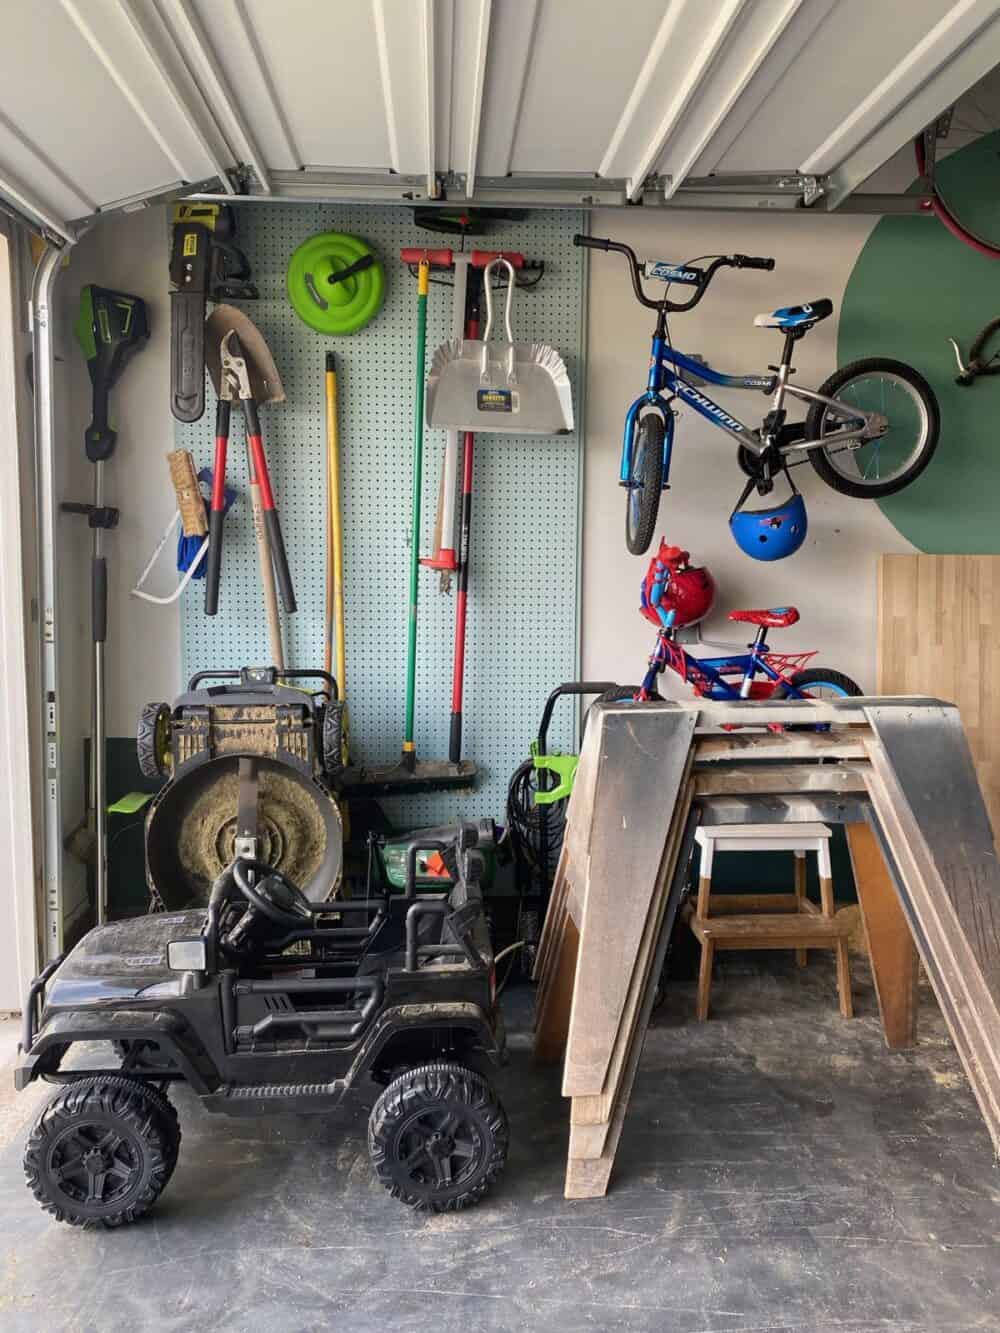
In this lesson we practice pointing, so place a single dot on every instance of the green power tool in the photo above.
(110, 327)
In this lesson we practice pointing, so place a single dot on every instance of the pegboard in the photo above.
(524, 575)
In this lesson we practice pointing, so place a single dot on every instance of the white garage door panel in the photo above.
(586, 56)
(60, 100)
(858, 43)
(105, 100)
(323, 60)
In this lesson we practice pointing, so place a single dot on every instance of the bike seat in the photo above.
(776, 617)
(796, 316)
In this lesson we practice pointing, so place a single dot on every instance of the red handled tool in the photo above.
(234, 383)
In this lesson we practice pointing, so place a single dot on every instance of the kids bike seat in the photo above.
(795, 316)
(776, 617)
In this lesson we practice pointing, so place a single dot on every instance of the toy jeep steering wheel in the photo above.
(274, 895)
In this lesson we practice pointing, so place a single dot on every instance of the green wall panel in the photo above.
(914, 286)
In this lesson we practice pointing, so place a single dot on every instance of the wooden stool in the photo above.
(769, 920)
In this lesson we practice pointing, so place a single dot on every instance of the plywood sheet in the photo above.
(939, 634)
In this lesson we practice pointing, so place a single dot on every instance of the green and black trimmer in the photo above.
(110, 328)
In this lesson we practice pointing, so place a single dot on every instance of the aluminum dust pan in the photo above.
(499, 388)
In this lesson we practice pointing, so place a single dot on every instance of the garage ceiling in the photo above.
(518, 101)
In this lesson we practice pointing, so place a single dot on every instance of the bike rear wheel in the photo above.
(818, 683)
(646, 476)
(879, 467)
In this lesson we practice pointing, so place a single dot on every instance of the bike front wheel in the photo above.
(871, 469)
(646, 478)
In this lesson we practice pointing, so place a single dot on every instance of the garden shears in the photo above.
(235, 385)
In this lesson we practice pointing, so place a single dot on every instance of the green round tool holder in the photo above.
(327, 305)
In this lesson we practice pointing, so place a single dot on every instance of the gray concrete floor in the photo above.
(780, 1172)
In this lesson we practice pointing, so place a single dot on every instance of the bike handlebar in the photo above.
(752, 261)
(705, 276)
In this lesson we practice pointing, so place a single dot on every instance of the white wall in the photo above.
(832, 579)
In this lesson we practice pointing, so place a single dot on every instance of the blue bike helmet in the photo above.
(770, 534)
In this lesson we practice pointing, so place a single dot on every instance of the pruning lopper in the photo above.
(234, 384)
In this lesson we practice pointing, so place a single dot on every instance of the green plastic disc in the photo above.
(329, 307)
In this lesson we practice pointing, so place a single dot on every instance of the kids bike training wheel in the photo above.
(437, 1137)
(643, 496)
(881, 466)
(101, 1152)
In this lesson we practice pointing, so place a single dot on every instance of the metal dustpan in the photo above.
(499, 388)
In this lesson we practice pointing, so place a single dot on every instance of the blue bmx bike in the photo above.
(870, 430)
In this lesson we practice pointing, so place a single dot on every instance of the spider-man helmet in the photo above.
(687, 590)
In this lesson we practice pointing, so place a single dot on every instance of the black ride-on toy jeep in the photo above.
(263, 1002)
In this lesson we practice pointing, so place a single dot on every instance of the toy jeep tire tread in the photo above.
(438, 1137)
(333, 739)
(152, 742)
(101, 1151)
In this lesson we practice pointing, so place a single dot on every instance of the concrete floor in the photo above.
(780, 1172)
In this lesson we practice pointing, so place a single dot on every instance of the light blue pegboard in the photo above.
(524, 583)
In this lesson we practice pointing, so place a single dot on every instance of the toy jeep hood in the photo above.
(122, 959)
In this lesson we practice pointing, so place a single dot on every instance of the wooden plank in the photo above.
(716, 715)
(594, 1109)
(939, 629)
(840, 743)
(776, 778)
(553, 913)
(799, 931)
(891, 950)
(931, 762)
(934, 821)
(737, 904)
(587, 1178)
(643, 764)
(827, 808)
(552, 1018)
(943, 968)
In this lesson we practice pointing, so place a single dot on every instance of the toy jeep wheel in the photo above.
(334, 759)
(438, 1137)
(101, 1152)
(152, 742)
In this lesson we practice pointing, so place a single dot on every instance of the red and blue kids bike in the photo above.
(676, 593)
(871, 428)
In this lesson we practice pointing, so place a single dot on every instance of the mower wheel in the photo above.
(101, 1151)
(334, 758)
(438, 1137)
(152, 742)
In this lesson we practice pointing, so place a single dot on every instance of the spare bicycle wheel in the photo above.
(335, 283)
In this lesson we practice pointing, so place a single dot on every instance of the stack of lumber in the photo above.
(648, 773)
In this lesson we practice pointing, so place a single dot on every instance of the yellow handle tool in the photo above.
(335, 539)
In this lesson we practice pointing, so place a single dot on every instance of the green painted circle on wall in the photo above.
(913, 287)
